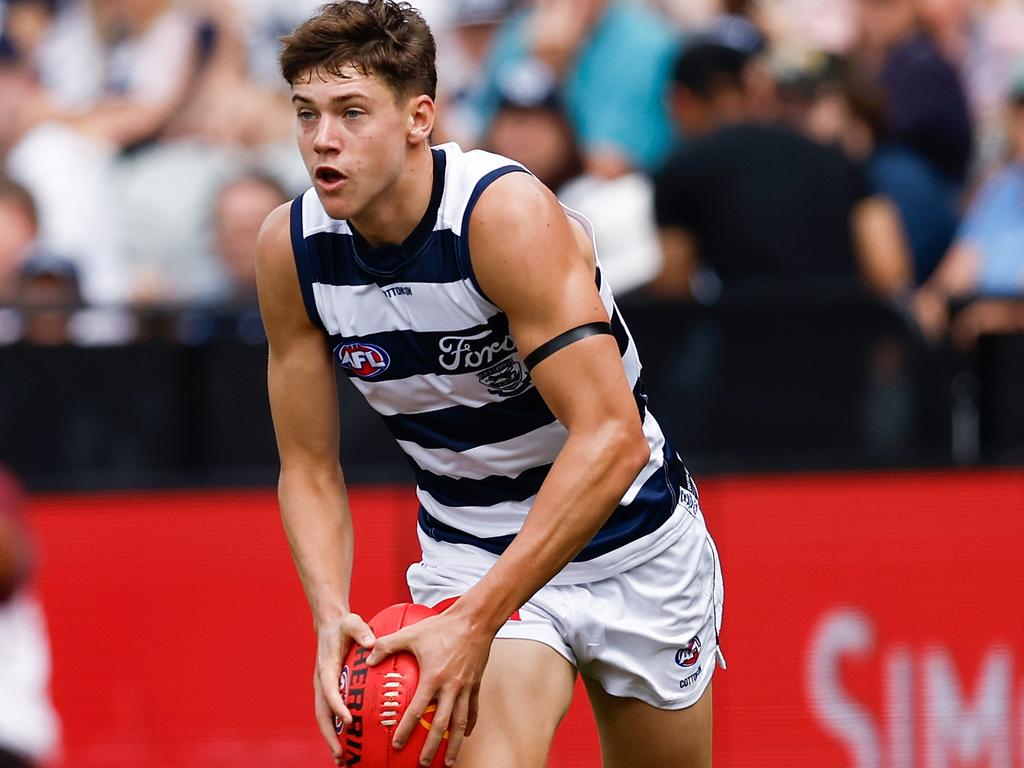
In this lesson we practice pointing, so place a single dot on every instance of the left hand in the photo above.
(452, 655)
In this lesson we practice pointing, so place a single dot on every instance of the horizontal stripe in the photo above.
(498, 489)
(652, 506)
(360, 310)
(483, 520)
(459, 427)
(509, 457)
(482, 492)
(423, 393)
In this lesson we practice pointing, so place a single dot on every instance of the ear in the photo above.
(422, 112)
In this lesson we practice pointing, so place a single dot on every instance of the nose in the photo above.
(325, 140)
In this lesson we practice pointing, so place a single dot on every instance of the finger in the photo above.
(359, 630)
(325, 721)
(413, 713)
(474, 709)
(386, 645)
(458, 725)
(382, 648)
(332, 696)
(438, 727)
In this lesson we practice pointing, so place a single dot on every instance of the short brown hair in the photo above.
(378, 37)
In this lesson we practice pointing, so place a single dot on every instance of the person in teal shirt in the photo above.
(612, 61)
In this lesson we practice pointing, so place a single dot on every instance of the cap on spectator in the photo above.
(46, 265)
(528, 84)
(704, 67)
(466, 13)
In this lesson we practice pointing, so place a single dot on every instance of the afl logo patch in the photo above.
(687, 656)
(366, 361)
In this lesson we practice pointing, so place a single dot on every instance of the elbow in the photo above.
(630, 450)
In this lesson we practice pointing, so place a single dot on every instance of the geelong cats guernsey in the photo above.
(415, 333)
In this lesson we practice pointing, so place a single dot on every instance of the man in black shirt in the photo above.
(759, 203)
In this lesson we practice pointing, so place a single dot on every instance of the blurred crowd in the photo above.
(717, 145)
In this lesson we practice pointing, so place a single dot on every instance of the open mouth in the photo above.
(328, 175)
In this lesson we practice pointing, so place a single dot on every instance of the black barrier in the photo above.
(764, 380)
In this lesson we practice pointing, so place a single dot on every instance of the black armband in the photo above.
(571, 336)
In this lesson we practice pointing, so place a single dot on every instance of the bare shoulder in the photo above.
(521, 238)
(273, 246)
(276, 276)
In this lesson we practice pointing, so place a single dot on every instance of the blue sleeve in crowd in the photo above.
(615, 93)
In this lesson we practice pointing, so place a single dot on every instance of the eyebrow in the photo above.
(297, 97)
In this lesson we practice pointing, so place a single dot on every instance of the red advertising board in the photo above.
(870, 620)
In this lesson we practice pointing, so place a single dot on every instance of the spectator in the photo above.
(925, 105)
(531, 127)
(761, 203)
(987, 257)
(17, 235)
(239, 211)
(240, 207)
(28, 723)
(463, 44)
(108, 76)
(611, 60)
(823, 96)
(922, 150)
(49, 296)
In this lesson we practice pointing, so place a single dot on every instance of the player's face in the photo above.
(353, 135)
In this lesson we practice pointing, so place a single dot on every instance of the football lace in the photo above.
(392, 699)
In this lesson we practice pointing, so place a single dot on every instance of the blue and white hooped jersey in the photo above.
(418, 337)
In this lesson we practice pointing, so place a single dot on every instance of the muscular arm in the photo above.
(539, 268)
(532, 264)
(311, 489)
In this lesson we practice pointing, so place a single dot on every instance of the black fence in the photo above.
(800, 379)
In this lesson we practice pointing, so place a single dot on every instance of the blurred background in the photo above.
(812, 214)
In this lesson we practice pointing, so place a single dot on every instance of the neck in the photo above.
(393, 217)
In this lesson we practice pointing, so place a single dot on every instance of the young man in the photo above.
(467, 306)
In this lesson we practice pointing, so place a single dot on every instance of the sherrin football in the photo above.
(377, 697)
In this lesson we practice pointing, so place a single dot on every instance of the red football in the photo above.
(377, 698)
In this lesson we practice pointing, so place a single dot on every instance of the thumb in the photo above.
(382, 648)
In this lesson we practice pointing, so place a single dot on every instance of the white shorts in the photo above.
(650, 632)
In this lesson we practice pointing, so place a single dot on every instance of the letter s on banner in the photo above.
(841, 632)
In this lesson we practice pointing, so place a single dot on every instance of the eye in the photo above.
(306, 115)
(352, 114)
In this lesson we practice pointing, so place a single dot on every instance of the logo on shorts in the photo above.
(687, 656)
(366, 361)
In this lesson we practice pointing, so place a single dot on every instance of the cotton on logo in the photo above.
(364, 360)
(933, 719)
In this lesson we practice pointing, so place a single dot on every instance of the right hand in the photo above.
(333, 641)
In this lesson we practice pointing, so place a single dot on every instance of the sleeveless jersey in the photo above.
(418, 337)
